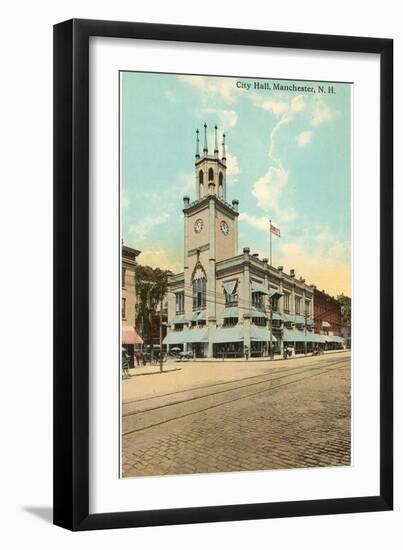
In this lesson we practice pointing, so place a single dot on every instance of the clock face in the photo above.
(224, 227)
(198, 225)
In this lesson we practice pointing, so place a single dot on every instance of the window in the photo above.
(307, 307)
(199, 289)
(274, 302)
(201, 184)
(123, 277)
(220, 186)
(180, 302)
(230, 321)
(297, 305)
(287, 302)
(231, 293)
(211, 174)
(123, 308)
(257, 300)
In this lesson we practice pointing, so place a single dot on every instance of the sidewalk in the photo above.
(179, 376)
(253, 359)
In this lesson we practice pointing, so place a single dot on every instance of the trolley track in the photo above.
(159, 414)
(134, 406)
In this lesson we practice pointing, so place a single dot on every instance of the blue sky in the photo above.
(288, 159)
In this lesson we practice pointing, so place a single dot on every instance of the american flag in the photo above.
(275, 230)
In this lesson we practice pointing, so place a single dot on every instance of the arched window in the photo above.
(201, 184)
(221, 185)
(199, 288)
(211, 174)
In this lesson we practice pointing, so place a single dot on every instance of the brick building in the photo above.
(130, 337)
(327, 318)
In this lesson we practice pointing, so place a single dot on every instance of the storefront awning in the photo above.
(261, 334)
(258, 313)
(299, 319)
(338, 339)
(130, 336)
(228, 334)
(174, 337)
(228, 312)
(299, 336)
(326, 324)
(178, 320)
(258, 287)
(195, 335)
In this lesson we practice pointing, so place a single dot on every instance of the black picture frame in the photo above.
(71, 274)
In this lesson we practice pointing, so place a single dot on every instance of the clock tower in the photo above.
(210, 227)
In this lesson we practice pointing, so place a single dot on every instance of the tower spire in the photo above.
(205, 149)
(224, 155)
(197, 145)
(216, 142)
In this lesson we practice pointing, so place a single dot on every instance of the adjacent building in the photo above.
(130, 337)
(328, 319)
(226, 303)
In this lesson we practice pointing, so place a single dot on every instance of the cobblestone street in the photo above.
(239, 416)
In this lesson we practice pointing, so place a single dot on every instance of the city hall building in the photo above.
(226, 303)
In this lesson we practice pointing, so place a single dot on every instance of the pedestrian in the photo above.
(138, 358)
(246, 353)
(143, 356)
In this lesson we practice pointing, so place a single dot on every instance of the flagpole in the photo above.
(270, 241)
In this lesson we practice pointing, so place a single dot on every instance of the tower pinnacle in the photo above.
(216, 142)
(205, 149)
(224, 155)
(197, 145)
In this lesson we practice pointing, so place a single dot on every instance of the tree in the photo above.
(345, 303)
(151, 287)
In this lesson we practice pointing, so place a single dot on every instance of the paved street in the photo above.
(231, 416)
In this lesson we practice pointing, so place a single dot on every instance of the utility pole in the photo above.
(271, 327)
(161, 335)
(305, 343)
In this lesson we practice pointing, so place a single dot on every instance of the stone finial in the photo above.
(246, 250)
(197, 155)
(292, 272)
(235, 204)
(280, 268)
(186, 201)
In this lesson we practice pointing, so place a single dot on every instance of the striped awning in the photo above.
(228, 312)
(258, 287)
(261, 334)
(229, 287)
(178, 320)
(195, 335)
(130, 336)
(255, 312)
(299, 319)
(228, 334)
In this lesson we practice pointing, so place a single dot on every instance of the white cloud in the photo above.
(212, 86)
(327, 267)
(162, 258)
(321, 113)
(297, 104)
(125, 202)
(143, 226)
(225, 118)
(268, 188)
(170, 95)
(304, 138)
(232, 165)
(276, 107)
(261, 223)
